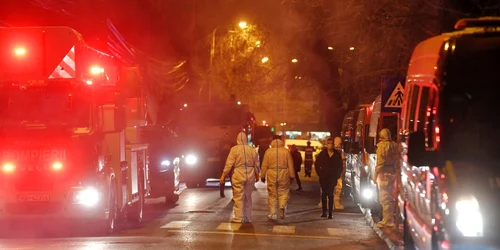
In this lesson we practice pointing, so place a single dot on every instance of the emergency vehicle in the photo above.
(369, 126)
(450, 135)
(70, 118)
(201, 128)
(356, 163)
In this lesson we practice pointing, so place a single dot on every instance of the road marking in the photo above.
(257, 235)
(338, 232)
(176, 224)
(284, 229)
(229, 226)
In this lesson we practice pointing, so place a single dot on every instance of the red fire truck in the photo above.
(70, 117)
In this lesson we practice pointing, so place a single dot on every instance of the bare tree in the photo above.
(254, 66)
(352, 44)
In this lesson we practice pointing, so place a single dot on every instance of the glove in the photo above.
(263, 179)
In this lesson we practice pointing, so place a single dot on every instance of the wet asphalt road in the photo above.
(199, 221)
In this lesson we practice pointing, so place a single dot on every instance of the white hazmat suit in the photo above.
(278, 171)
(244, 161)
(385, 175)
(337, 144)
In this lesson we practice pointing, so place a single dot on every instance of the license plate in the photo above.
(33, 197)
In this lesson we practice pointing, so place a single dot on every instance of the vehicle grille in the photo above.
(34, 183)
(33, 208)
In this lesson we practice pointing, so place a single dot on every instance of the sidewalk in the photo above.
(392, 237)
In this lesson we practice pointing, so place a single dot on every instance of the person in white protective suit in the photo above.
(278, 171)
(385, 176)
(243, 160)
(337, 144)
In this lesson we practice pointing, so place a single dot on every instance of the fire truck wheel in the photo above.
(108, 226)
(171, 198)
(138, 207)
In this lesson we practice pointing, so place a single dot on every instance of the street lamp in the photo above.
(294, 60)
(265, 59)
(243, 25)
(351, 48)
(330, 48)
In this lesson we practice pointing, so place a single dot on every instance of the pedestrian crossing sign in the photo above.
(392, 91)
(396, 98)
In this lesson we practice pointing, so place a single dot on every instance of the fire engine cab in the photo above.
(70, 117)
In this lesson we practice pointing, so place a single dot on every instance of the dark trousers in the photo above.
(327, 187)
(297, 179)
(308, 168)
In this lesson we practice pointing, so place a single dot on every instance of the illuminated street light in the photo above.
(239, 103)
(351, 48)
(243, 25)
(265, 59)
(185, 105)
(330, 48)
(294, 60)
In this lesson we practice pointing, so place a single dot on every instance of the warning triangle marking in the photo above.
(396, 98)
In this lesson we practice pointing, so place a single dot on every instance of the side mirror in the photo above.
(417, 155)
(112, 118)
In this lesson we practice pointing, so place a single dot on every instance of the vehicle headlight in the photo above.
(191, 159)
(469, 219)
(165, 163)
(88, 196)
(367, 193)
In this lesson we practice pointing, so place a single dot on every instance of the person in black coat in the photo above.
(328, 166)
(297, 164)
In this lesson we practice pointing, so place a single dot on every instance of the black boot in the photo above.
(330, 207)
(323, 206)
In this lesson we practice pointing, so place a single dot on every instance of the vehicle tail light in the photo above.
(57, 166)
(8, 168)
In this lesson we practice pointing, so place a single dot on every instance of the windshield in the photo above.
(470, 101)
(213, 115)
(44, 107)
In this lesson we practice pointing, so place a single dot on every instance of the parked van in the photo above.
(347, 133)
(450, 169)
(358, 165)
(377, 121)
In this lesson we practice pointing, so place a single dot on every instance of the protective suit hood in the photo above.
(242, 139)
(277, 143)
(385, 135)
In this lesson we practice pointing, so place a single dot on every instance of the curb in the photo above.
(392, 245)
